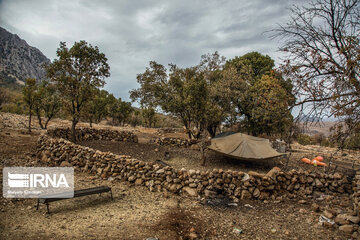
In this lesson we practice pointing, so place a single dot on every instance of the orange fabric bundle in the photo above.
(306, 160)
(318, 163)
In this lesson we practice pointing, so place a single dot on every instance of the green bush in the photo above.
(305, 139)
(17, 108)
(326, 143)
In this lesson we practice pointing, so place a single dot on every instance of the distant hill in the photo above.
(19, 60)
(310, 119)
(319, 128)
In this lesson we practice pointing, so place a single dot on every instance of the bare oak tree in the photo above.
(321, 41)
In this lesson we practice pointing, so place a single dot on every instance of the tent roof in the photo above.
(243, 146)
(224, 134)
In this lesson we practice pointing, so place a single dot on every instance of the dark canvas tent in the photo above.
(243, 146)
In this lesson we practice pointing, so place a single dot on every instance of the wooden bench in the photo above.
(77, 193)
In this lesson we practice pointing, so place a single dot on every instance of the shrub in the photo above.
(305, 139)
(326, 143)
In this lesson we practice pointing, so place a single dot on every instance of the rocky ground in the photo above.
(136, 213)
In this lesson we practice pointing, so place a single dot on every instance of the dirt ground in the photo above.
(136, 213)
(190, 159)
(179, 157)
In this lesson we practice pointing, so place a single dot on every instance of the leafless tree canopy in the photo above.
(322, 43)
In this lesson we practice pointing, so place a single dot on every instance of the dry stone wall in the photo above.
(86, 134)
(356, 195)
(276, 184)
(168, 141)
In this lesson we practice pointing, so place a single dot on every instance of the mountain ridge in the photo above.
(19, 60)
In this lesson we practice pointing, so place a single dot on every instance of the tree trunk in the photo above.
(197, 136)
(202, 146)
(39, 118)
(203, 157)
(30, 110)
(212, 130)
(49, 114)
(49, 117)
(73, 131)
(188, 132)
(46, 123)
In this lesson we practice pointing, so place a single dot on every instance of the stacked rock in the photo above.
(275, 185)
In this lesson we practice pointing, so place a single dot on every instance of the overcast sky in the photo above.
(131, 33)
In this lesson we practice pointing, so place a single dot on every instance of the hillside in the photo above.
(19, 60)
(319, 128)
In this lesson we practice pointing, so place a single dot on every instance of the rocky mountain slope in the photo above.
(18, 60)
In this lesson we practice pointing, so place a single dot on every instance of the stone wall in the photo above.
(234, 184)
(356, 195)
(86, 134)
(168, 141)
(346, 220)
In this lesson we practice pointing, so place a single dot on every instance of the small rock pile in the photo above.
(346, 221)
(167, 141)
(275, 185)
(86, 134)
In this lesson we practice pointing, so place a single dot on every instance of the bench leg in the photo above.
(111, 195)
(37, 205)
(47, 207)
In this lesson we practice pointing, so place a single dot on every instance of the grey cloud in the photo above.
(131, 33)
